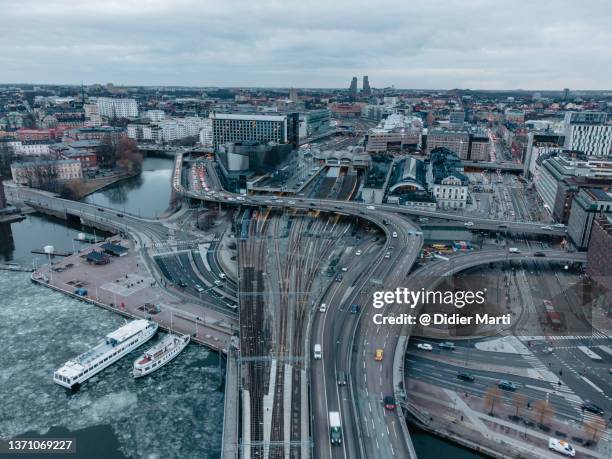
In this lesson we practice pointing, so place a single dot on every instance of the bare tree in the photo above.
(491, 397)
(544, 411)
(519, 400)
(594, 427)
(127, 156)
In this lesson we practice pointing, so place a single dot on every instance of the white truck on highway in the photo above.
(335, 428)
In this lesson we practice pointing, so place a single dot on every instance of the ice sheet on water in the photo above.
(175, 412)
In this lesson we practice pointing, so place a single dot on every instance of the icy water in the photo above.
(175, 412)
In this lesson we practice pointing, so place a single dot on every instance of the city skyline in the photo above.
(238, 45)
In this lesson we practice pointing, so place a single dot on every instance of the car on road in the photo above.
(394, 234)
(465, 376)
(502, 226)
(323, 307)
(389, 402)
(425, 346)
(181, 284)
(468, 224)
(199, 288)
(513, 250)
(358, 253)
(341, 379)
(546, 228)
(506, 385)
(371, 208)
(344, 269)
(561, 446)
(378, 355)
(291, 202)
(339, 277)
(591, 407)
(539, 254)
(316, 353)
(119, 215)
(559, 225)
(100, 209)
(388, 255)
(218, 282)
(354, 308)
(447, 345)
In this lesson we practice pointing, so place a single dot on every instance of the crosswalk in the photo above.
(596, 335)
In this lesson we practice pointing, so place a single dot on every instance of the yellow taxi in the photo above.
(378, 356)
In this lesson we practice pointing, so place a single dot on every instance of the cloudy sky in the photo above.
(487, 44)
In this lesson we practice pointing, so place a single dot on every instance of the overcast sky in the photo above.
(492, 44)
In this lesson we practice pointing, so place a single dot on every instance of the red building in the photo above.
(36, 134)
(350, 110)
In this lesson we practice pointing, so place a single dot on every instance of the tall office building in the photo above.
(232, 128)
(588, 132)
(366, 86)
(353, 87)
(293, 95)
(566, 93)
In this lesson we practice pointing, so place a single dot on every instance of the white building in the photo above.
(156, 115)
(110, 107)
(588, 132)
(206, 134)
(29, 148)
(557, 167)
(92, 115)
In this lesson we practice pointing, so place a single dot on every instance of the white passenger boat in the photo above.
(163, 352)
(117, 344)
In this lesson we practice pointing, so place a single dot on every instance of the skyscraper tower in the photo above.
(366, 86)
(293, 95)
(353, 87)
(566, 94)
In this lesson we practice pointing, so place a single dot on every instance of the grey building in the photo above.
(366, 86)
(588, 204)
(232, 128)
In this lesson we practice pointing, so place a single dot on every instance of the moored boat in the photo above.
(161, 353)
